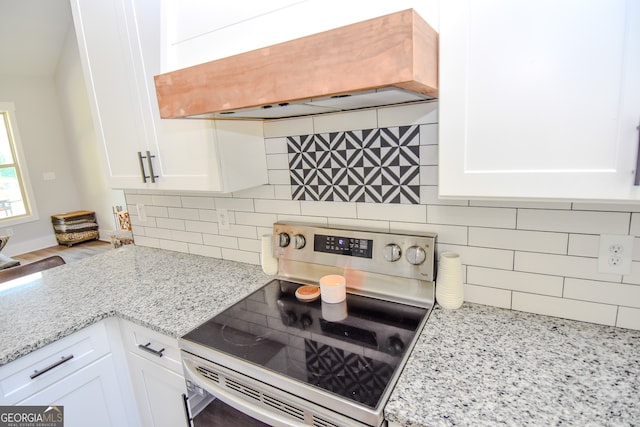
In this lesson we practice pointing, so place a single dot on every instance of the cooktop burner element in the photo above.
(339, 360)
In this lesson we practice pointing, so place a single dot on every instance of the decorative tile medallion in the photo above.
(372, 165)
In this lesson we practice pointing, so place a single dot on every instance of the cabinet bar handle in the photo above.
(636, 181)
(142, 172)
(153, 176)
(186, 410)
(150, 350)
(62, 360)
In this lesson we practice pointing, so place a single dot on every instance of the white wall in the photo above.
(539, 257)
(44, 142)
(91, 177)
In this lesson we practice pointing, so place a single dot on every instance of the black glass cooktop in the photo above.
(351, 349)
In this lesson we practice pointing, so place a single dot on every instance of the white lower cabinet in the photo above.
(78, 372)
(158, 392)
(156, 375)
(90, 396)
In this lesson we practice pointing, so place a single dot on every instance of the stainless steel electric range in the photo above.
(282, 361)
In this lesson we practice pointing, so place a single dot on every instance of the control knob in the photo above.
(416, 255)
(299, 241)
(283, 240)
(392, 252)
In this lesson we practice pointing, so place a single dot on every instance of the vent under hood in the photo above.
(388, 60)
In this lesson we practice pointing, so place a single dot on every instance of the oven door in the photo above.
(207, 405)
(216, 393)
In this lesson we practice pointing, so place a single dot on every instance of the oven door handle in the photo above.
(240, 404)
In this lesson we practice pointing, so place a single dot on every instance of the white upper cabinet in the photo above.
(120, 50)
(539, 99)
(198, 31)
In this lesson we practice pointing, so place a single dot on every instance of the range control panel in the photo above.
(405, 255)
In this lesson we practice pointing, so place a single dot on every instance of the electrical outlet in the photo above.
(223, 219)
(142, 213)
(615, 253)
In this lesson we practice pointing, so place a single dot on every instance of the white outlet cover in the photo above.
(609, 245)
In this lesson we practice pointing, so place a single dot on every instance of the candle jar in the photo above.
(333, 288)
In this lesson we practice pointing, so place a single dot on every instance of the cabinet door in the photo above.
(158, 392)
(108, 66)
(539, 99)
(90, 396)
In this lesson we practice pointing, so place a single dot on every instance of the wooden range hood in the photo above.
(382, 61)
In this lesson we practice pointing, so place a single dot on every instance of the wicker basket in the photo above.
(75, 227)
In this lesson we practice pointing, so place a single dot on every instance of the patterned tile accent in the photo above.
(372, 165)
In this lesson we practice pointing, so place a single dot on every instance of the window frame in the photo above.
(21, 169)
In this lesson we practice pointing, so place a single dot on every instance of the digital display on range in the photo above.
(343, 245)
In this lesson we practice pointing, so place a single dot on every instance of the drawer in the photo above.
(41, 368)
(151, 345)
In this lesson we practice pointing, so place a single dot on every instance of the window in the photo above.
(15, 202)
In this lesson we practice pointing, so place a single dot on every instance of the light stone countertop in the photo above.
(486, 366)
(476, 366)
(169, 292)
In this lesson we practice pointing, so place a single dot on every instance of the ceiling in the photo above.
(32, 34)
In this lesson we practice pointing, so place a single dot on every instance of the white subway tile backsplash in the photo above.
(275, 145)
(278, 161)
(483, 257)
(428, 155)
(352, 120)
(282, 192)
(241, 256)
(628, 318)
(206, 202)
(429, 196)
(405, 213)
(245, 231)
(412, 114)
(428, 134)
(288, 127)
(220, 241)
(515, 280)
(333, 209)
(566, 308)
(182, 213)
(561, 265)
(429, 175)
(280, 177)
(604, 292)
(480, 217)
(186, 236)
(150, 242)
(262, 192)
(171, 245)
(586, 222)
(164, 200)
(584, 245)
(278, 206)
(532, 241)
(257, 219)
(170, 223)
(634, 229)
(536, 256)
(250, 245)
(203, 250)
(487, 296)
(233, 204)
(157, 211)
(451, 234)
(201, 227)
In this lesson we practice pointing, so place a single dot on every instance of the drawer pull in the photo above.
(62, 360)
(150, 350)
